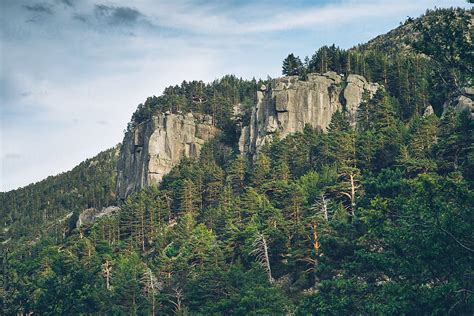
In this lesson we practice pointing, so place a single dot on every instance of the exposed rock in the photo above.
(90, 215)
(237, 111)
(468, 91)
(289, 103)
(465, 104)
(428, 111)
(462, 103)
(155, 146)
(354, 92)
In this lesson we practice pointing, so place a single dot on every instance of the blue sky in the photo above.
(73, 71)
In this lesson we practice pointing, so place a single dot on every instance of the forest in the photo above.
(375, 219)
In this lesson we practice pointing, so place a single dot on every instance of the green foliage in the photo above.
(216, 98)
(372, 219)
(292, 66)
(446, 37)
(422, 62)
(39, 209)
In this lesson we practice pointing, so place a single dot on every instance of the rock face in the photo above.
(155, 146)
(288, 104)
(90, 215)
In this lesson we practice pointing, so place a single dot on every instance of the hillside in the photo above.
(34, 211)
(344, 187)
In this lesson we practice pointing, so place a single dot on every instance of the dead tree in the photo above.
(260, 251)
(151, 286)
(321, 206)
(178, 302)
(106, 270)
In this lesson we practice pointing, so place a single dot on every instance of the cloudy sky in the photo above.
(73, 71)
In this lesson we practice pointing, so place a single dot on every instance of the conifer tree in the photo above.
(260, 170)
(188, 197)
(236, 174)
(292, 66)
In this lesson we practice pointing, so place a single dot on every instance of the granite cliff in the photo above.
(288, 104)
(151, 149)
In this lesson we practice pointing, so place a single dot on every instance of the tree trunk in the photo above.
(353, 191)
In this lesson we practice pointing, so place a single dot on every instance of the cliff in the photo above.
(288, 104)
(151, 149)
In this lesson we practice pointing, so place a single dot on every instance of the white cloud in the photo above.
(277, 16)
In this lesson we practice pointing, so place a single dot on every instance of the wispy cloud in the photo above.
(118, 15)
(69, 3)
(43, 8)
(255, 18)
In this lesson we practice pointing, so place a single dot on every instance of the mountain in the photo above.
(33, 212)
(345, 188)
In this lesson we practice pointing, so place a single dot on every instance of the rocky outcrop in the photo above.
(354, 93)
(428, 111)
(288, 104)
(463, 102)
(151, 149)
(90, 215)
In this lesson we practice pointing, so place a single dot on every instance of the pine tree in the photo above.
(213, 184)
(292, 66)
(454, 149)
(260, 171)
(189, 202)
(341, 141)
(236, 175)
(342, 153)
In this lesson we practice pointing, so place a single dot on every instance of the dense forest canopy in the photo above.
(33, 211)
(216, 99)
(375, 219)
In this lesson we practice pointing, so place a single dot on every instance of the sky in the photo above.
(73, 71)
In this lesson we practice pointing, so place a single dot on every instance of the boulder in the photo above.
(428, 111)
(465, 104)
(468, 91)
(354, 93)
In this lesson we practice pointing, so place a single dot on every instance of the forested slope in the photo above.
(375, 219)
(33, 210)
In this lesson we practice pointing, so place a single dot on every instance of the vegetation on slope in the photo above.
(423, 62)
(35, 210)
(371, 220)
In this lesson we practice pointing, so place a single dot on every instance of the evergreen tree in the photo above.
(292, 66)
(236, 174)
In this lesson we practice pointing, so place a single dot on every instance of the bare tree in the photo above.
(260, 251)
(321, 206)
(151, 286)
(178, 302)
(106, 270)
